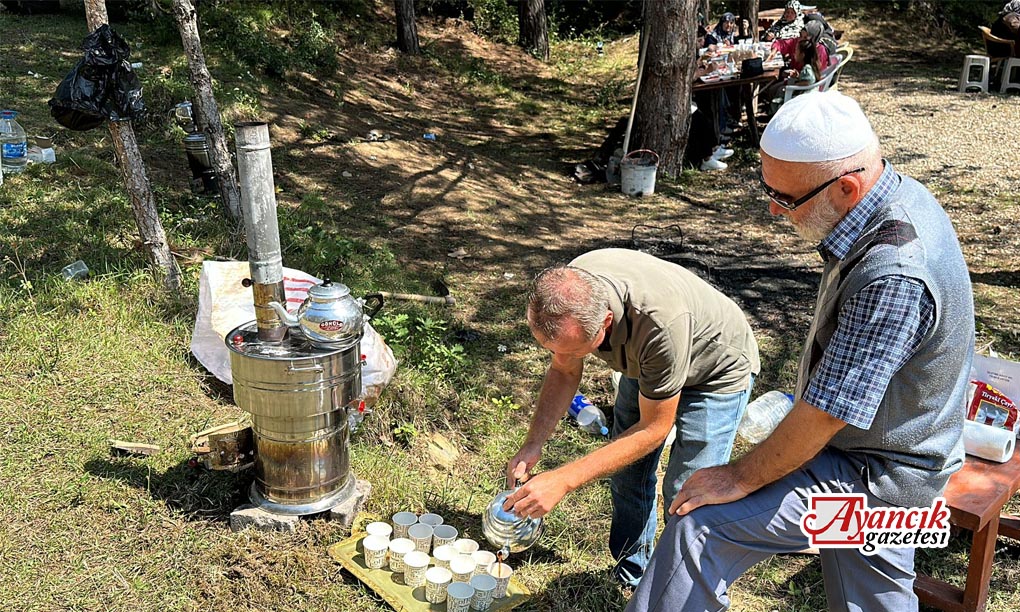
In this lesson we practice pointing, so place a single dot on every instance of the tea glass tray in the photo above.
(391, 588)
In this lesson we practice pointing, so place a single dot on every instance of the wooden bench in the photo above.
(975, 495)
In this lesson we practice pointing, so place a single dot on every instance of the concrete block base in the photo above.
(250, 516)
(344, 513)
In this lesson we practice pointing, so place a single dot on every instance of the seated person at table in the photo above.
(806, 56)
(805, 66)
(828, 38)
(713, 103)
(813, 31)
(789, 25)
(724, 31)
(1007, 26)
(703, 149)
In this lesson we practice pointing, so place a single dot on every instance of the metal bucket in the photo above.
(203, 177)
(637, 172)
(298, 396)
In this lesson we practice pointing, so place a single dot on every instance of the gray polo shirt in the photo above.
(671, 330)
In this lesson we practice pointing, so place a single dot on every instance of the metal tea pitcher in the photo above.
(330, 316)
(505, 530)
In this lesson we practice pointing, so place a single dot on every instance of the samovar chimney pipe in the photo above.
(258, 205)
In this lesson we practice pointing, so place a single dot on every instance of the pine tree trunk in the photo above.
(208, 111)
(748, 10)
(664, 102)
(136, 180)
(533, 27)
(407, 31)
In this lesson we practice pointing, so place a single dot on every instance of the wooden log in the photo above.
(123, 447)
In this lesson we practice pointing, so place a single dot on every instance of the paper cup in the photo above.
(483, 559)
(463, 567)
(484, 586)
(436, 581)
(502, 573)
(375, 548)
(443, 555)
(401, 522)
(379, 528)
(421, 535)
(458, 597)
(430, 519)
(415, 564)
(465, 546)
(398, 548)
(443, 535)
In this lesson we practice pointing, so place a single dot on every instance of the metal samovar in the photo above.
(298, 392)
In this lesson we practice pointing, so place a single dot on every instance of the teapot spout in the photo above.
(285, 316)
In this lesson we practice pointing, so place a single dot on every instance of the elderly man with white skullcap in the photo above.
(878, 417)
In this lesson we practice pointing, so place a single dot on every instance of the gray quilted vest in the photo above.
(914, 443)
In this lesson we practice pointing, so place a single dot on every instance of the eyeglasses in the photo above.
(783, 199)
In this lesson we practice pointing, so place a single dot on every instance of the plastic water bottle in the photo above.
(14, 155)
(588, 417)
(763, 415)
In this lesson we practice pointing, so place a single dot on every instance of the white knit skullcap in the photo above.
(816, 127)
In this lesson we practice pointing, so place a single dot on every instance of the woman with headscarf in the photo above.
(828, 34)
(812, 31)
(806, 65)
(724, 31)
(789, 25)
(1007, 26)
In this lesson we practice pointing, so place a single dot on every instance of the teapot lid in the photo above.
(329, 290)
(507, 517)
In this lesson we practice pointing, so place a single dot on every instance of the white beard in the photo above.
(819, 221)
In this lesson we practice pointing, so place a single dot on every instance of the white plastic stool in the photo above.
(1007, 75)
(975, 61)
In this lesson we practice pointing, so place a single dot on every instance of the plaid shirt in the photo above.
(879, 328)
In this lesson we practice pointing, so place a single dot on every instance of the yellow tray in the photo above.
(402, 597)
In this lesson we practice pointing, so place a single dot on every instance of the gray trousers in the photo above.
(699, 555)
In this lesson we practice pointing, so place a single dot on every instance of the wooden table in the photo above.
(975, 496)
(747, 94)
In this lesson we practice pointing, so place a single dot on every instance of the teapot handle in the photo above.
(370, 312)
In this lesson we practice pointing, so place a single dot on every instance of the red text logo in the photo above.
(846, 521)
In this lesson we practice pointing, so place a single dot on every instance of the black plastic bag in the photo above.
(102, 86)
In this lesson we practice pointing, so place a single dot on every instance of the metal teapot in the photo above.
(330, 317)
(505, 530)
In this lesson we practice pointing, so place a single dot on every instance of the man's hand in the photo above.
(538, 496)
(785, 450)
(519, 468)
(714, 485)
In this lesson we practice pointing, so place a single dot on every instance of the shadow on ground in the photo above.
(201, 494)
